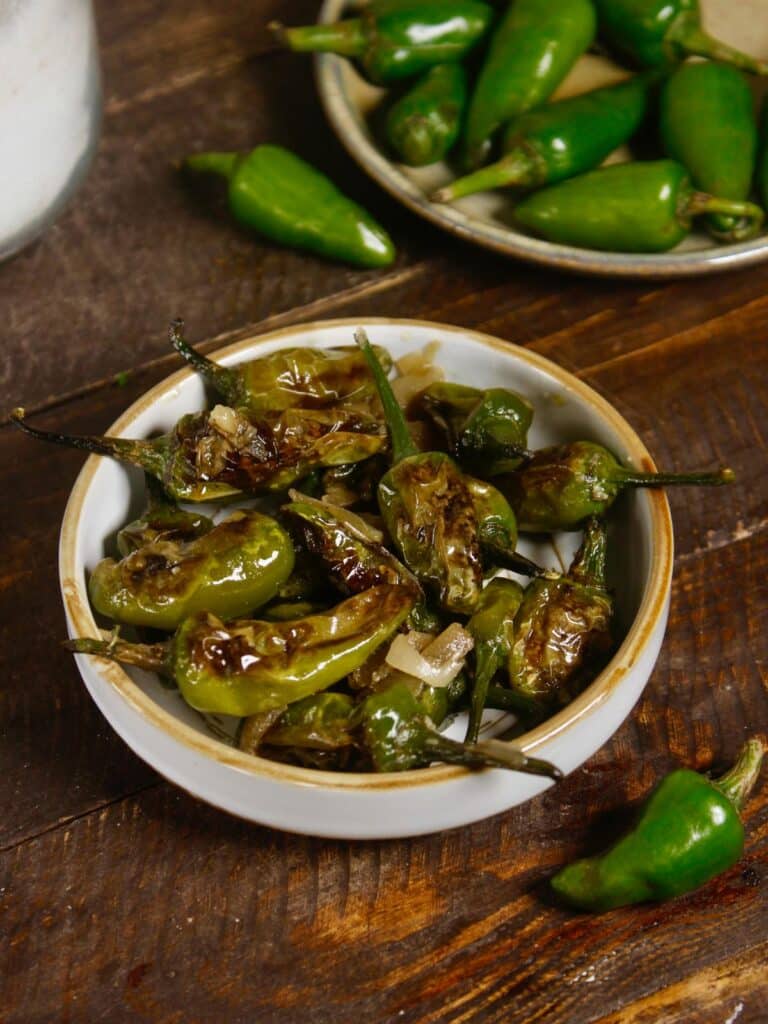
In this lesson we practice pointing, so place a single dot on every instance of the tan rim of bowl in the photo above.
(651, 608)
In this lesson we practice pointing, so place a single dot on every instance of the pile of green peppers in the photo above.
(473, 84)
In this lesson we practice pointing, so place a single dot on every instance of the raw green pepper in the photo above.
(653, 33)
(289, 201)
(395, 39)
(707, 123)
(424, 124)
(532, 49)
(559, 140)
(248, 666)
(161, 520)
(236, 567)
(563, 486)
(563, 627)
(633, 207)
(312, 378)
(688, 831)
(223, 452)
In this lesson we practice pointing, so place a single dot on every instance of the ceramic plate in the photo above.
(350, 102)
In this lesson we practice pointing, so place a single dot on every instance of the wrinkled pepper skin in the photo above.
(497, 528)
(235, 568)
(707, 123)
(561, 487)
(632, 207)
(687, 832)
(287, 200)
(424, 125)
(396, 39)
(560, 140)
(161, 520)
(313, 378)
(655, 33)
(532, 49)
(319, 722)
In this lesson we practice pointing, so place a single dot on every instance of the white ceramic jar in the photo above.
(50, 108)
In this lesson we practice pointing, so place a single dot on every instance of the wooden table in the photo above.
(126, 900)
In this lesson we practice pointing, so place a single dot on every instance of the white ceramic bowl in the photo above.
(484, 219)
(175, 740)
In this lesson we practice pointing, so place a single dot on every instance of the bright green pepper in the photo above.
(312, 378)
(223, 452)
(563, 486)
(532, 49)
(688, 831)
(707, 123)
(424, 124)
(287, 200)
(248, 666)
(653, 33)
(236, 567)
(161, 520)
(633, 207)
(559, 140)
(395, 39)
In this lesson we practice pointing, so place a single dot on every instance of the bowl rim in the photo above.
(651, 611)
(329, 76)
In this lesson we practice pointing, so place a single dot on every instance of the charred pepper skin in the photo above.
(688, 832)
(531, 51)
(707, 123)
(287, 200)
(236, 567)
(396, 39)
(423, 126)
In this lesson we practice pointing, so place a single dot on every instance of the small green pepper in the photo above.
(161, 520)
(395, 39)
(532, 49)
(559, 140)
(707, 123)
(321, 721)
(236, 567)
(654, 33)
(497, 528)
(424, 124)
(632, 207)
(688, 831)
(248, 666)
(287, 200)
(312, 378)
(563, 486)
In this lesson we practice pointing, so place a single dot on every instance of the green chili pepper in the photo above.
(633, 207)
(491, 627)
(287, 200)
(395, 39)
(653, 33)
(236, 567)
(312, 378)
(319, 722)
(560, 140)
(248, 666)
(532, 49)
(223, 452)
(561, 487)
(497, 528)
(762, 159)
(424, 124)
(688, 831)
(162, 520)
(707, 123)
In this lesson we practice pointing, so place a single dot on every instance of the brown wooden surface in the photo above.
(123, 898)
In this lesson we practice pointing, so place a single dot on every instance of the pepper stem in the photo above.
(491, 753)
(740, 780)
(486, 664)
(637, 479)
(213, 163)
(502, 699)
(750, 215)
(347, 38)
(402, 442)
(151, 657)
(516, 168)
(692, 39)
(219, 377)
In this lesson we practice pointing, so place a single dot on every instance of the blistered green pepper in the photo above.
(287, 200)
(707, 123)
(561, 487)
(497, 528)
(312, 378)
(424, 124)
(161, 520)
(223, 452)
(687, 832)
(532, 49)
(395, 39)
(322, 721)
(248, 666)
(235, 568)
